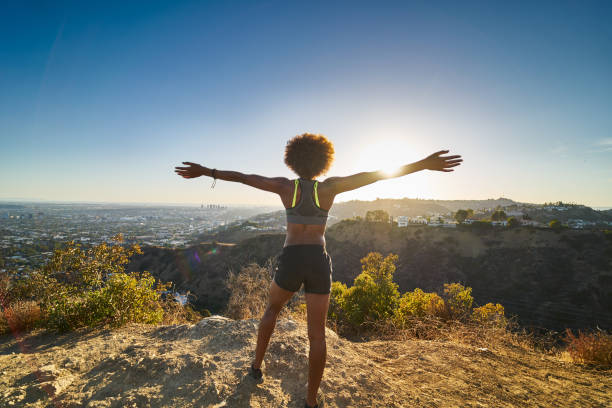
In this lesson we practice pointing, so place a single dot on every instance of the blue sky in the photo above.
(99, 101)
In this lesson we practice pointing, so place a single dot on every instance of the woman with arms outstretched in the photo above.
(304, 259)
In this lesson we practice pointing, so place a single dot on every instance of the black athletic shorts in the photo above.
(307, 264)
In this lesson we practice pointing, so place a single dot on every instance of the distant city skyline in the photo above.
(100, 100)
(221, 205)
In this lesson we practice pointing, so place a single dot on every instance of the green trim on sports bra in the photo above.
(307, 210)
(316, 193)
(295, 193)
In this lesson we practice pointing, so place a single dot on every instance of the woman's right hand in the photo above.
(438, 162)
(193, 170)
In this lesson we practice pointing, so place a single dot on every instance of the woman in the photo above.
(304, 259)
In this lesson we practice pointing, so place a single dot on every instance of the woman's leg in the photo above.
(316, 307)
(277, 299)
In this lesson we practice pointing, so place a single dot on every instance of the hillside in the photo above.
(413, 206)
(573, 212)
(203, 365)
(549, 279)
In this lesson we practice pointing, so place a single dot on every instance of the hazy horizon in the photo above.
(100, 101)
(279, 205)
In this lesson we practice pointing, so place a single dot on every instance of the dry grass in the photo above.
(5, 294)
(248, 291)
(20, 316)
(175, 313)
(590, 348)
(434, 328)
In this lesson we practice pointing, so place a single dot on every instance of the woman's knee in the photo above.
(273, 310)
(316, 338)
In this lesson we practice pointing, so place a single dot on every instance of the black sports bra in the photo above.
(307, 211)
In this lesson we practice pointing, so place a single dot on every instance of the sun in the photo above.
(386, 156)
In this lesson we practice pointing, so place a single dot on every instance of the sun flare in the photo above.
(386, 156)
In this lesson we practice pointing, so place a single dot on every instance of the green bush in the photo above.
(374, 302)
(374, 295)
(490, 315)
(418, 304)
(87, 287)
(458, 300)
(124, 298)
(336, 302)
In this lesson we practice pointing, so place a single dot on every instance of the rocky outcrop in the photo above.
(204, 365)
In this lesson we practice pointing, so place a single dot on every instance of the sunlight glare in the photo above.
(386, 156)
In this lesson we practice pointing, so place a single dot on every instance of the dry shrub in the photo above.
(20, 316)
(176, 313)
(590, 348)
(248, 291)
(439, 329)
(5, 293)
(489, 336)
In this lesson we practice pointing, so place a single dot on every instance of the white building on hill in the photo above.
(402, 221)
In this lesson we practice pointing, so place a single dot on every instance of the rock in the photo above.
(485, 351)
(59, 385)
(286, 325)
(215, 321)
(74, 363)
(47, 373)
(330, 334)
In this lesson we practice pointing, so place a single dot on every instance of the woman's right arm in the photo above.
(434, 161)
(278, 185)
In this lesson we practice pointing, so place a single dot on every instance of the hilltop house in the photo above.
(402, 221)
(442, 222)
(418, 220)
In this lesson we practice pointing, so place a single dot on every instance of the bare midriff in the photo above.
(304, 234)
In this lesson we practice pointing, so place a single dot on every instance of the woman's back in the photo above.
(305, 234)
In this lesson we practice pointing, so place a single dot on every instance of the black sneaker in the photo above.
(255, 373)
(320, 401)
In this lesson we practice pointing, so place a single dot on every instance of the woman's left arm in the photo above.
(276, 185)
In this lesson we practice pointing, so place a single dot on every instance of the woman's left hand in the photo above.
(192, 171)
(438, 162)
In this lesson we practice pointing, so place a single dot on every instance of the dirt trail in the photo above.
(203, 365)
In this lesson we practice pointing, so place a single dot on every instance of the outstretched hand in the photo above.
(441, 163)
(193, 170)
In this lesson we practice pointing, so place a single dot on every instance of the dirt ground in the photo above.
(204, 365)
